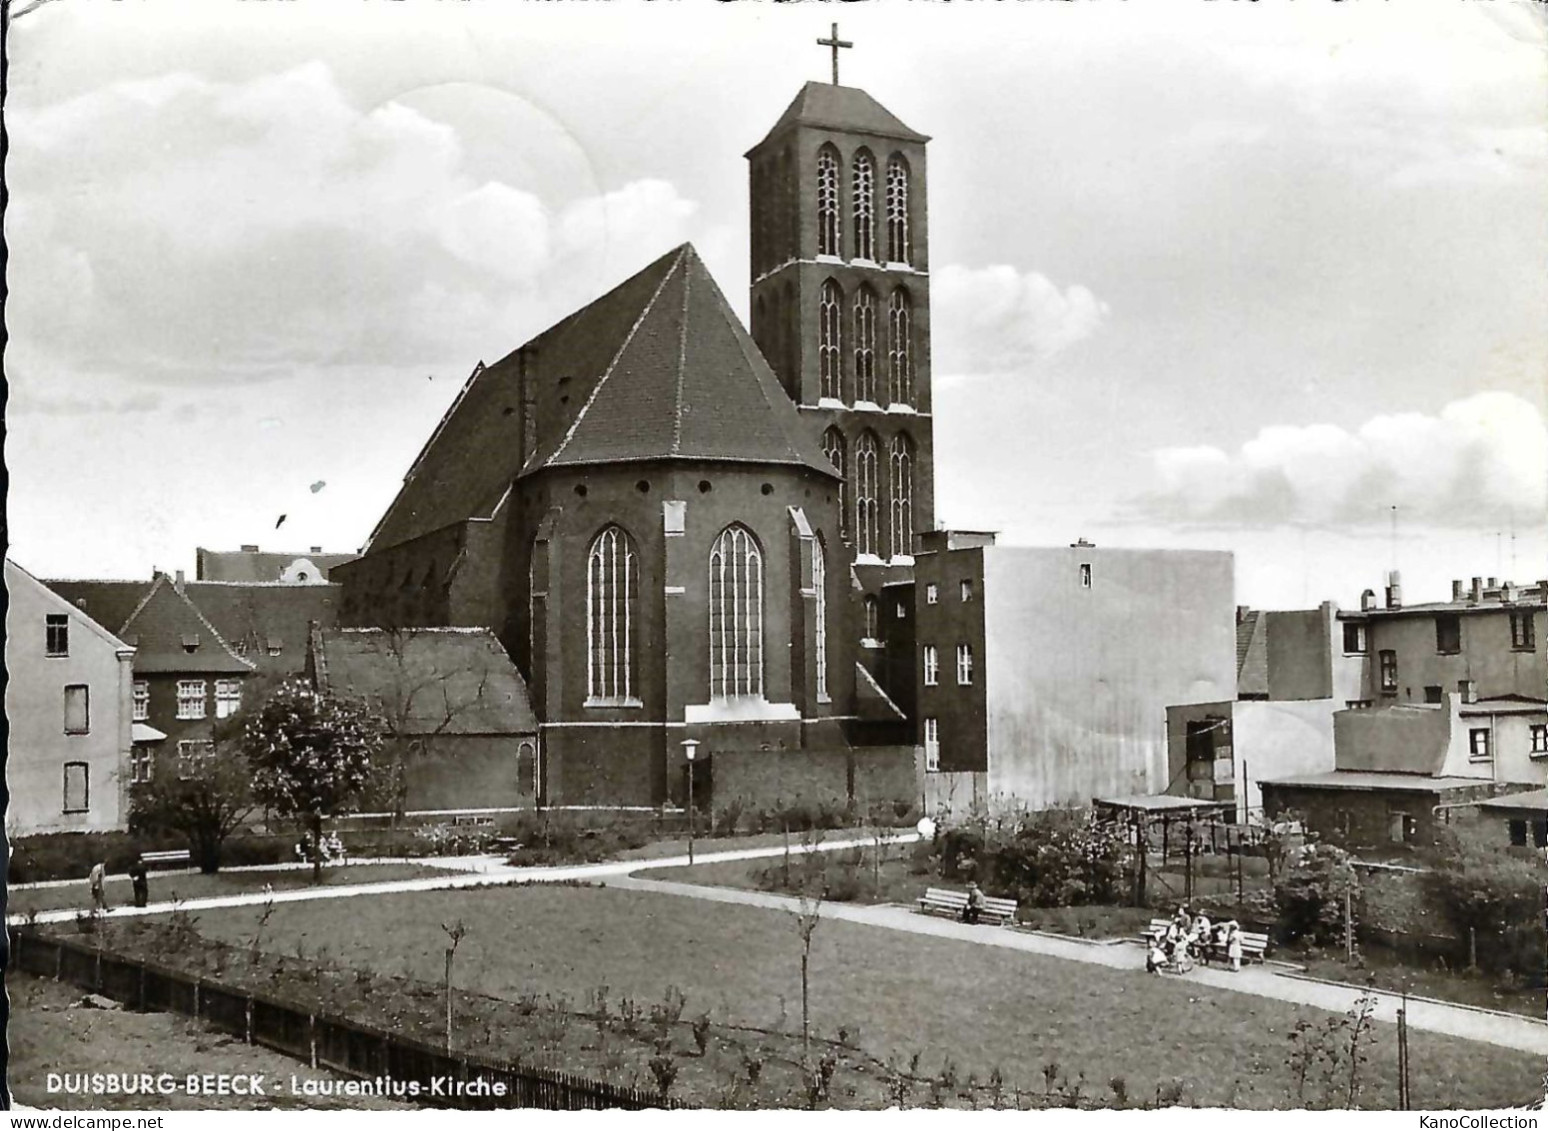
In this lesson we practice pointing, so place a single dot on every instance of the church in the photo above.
(681, 530)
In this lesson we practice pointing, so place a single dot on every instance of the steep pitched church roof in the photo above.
(687, 382)
(848, 108)
(662, 370)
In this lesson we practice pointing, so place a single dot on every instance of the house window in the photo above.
(77, 787)
(964, 665)
(872, 619)
(190, 642)
(1388, 672)
(820, 611)
(900, 367)
(1448, 633)
(189, 752)
(867, 509)
(1433, 694)
(57, 632)
(141, 700)
(902, 497)
(612, 584)
(865, 345)
(1085, 575)
(1354, 639)
(897, 210)
(829, 340)
(228, 697)
(965, 589)
(932, 666)
(736, 615)
(1518, 834)
(77, 709)
(276, 646)
(864, 185)
(142, 764)
(1200, 742)
(833, 448)
(1400, 828)
(1358, 704)
(1523, 635)
(932, 593)
(827, 202)
(901, 611)
(1539, 733)
(190, 699)
(932, 737)
(1478, 744)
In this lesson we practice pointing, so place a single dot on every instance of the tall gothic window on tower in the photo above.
(865, 206)
(827, 201)
(865, 345)
(833, 448)
(867, 516)
(902, 524)
(612, 584)
(736, 615)
(820, 614)
(900, 365)
(828, 335)
(897, 210)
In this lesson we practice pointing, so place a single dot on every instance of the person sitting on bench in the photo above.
(1202, 936)
(975, 903)
(1155, 957)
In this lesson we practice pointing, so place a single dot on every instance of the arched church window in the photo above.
(828, 337)
(612, 585)
(833, 447)
(827, 201)
(867, 516)
(872, 619)
(736, 615)
(865, 205)
(865, 345)
(900, 364)
(897, 210)
(820, 613)
(902, 524)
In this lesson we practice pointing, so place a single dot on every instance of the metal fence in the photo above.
(460, 1080)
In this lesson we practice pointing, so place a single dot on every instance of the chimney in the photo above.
(1459, 590)
(178, 583)
(1477, 590)
(1468, 690)
(1367, 601)
(246, 549)
(1394, 590)
(1241, 613)
(1493, 583)
(1509, 593)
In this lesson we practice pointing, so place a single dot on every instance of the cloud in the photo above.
(1480, 462)
(188, 230)
(22, 404)
(998, 319)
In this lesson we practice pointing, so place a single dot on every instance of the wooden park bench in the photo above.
(506, 843)
(1254, 943)
(940, 901)
(172, 858)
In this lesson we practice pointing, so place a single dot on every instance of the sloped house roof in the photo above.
(658, 368)
(426, 681)
(266, 623)
(170, 634)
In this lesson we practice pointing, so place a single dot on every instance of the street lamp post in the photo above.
(690, 749)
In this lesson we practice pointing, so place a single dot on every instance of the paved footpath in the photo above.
(1506, 1030)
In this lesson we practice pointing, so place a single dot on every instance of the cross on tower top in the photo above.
(834, 42)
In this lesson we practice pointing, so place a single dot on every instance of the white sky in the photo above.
(1208, 274)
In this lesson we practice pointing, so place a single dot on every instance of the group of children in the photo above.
(1188, 936)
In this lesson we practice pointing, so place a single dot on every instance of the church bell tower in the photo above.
(841, 305)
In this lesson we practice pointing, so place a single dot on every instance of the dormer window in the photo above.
(190, 642)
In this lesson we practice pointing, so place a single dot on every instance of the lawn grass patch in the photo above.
(983, 1008)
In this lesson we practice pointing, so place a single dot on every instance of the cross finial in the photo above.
(834, 42)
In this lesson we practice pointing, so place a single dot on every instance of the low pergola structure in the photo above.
(1141, 811)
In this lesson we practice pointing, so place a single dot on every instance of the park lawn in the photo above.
(46, 1035)
(168, 886)
(979, 1007)
(1390, 972)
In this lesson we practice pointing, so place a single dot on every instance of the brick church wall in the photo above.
(771, 778)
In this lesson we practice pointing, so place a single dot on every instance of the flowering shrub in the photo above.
(1310, 895)
(1047, 858)
(454, 840)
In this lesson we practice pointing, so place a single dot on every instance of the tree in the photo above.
(310, 755)
(206, 797)
(808, 915)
